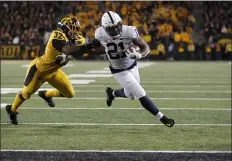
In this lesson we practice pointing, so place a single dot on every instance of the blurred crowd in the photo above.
(218, 18)
(152, 19)
(168, 27)
(25, 22)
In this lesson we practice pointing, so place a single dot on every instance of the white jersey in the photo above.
(115, 47)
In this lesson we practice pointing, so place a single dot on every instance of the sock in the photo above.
(17, 102)
(149, 105)
(53, 93)
(119, 93)
(159, 115)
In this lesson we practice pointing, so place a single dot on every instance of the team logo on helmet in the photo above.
(71, 27)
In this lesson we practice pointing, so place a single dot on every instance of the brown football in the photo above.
(135, 47)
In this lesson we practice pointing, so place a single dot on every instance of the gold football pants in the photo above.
(34, 79)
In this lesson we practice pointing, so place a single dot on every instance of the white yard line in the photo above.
(161, 98)
(114, 151)
(173, 82)
(89, 75)
(27, 65)
(163, 91)
(111, 124)
(98, 72)
(163, 86)
(106, 108)
(161, 79)
(15, 90)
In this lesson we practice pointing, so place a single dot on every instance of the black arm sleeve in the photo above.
(58, 44)
(73, 50)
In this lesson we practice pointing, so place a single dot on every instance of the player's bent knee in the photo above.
(141, 93)
(70, 94)
(128, 94)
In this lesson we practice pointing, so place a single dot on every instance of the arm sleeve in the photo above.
(58, 44)
(74, 50)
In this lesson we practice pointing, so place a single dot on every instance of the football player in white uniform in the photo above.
(117, 40)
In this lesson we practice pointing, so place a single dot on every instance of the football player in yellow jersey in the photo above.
(64, 42)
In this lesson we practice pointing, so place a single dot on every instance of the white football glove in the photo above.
(133, 54)
(63, 58)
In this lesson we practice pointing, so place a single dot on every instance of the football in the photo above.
(134, 46)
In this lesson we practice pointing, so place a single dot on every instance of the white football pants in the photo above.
(130, 80)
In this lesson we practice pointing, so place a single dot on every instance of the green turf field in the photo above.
(196, 95)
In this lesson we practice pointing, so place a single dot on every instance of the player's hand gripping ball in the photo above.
(133, 52)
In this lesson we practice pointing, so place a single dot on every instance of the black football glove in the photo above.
(93, 44)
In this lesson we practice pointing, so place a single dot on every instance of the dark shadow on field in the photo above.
(111, 156)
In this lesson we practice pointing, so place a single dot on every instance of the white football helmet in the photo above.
(112, 23)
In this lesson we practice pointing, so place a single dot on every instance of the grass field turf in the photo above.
(203, 87)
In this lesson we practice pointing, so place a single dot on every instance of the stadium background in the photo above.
(174, 30)
(196, 94)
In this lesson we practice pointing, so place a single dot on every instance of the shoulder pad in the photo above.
(58, 35)
(99, 33)
(130, 31)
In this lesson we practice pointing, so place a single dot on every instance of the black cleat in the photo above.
(12, 115)
(48, 100)
(110, 96)
(166, 121)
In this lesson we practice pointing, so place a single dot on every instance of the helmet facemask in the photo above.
(74, 30)
(71, 27)
(114, 31)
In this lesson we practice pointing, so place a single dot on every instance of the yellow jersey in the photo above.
(48, 62)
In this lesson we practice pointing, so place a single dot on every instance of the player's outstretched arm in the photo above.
(72, 50)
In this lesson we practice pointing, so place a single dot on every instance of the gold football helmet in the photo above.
(71, 27)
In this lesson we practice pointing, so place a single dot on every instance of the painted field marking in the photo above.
(163, 91)
(79, 81)
(114, 151)
(109, 124)
(155, 86)
(145, 64)
(184, 83)
(98, 72)
(89, 75)
(113, 108)
(106, 68)
(174, 82)
(15, 90)
(169, 86)
(163, 86)
(157, 98)
(158, 78)
(68, 65)
(3, 105)
(140, 65)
